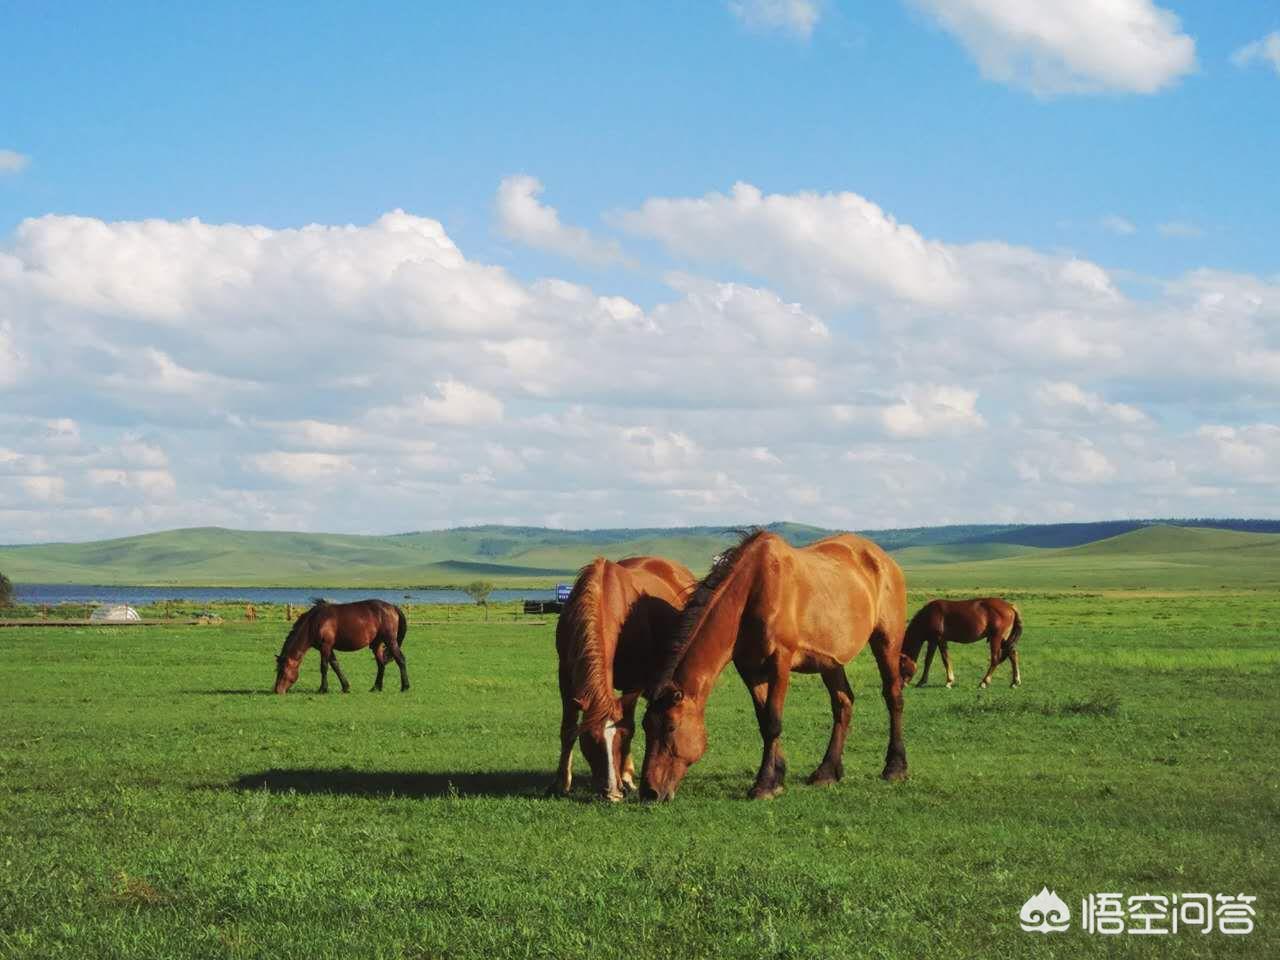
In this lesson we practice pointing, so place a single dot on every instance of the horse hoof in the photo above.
(821, 778)
(894, 773)
(983, 685)
(764, 793)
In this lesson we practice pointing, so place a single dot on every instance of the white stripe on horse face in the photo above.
(609, 728)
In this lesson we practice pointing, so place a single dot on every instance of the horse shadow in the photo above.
(364, 783)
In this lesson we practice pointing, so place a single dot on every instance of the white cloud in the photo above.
(44, 488)
(1118, 225)
(13, 162)
(931, 409)
(457, 404)
(369, 378)
(1062, 395)
(797, 17)
(1179, 228)
(1085, 46)
(524, 218)
(1266, 50)
(842, 250)
(301, 467)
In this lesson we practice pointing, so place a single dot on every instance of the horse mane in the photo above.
(704, 592)
(297, 624)
(590, 675)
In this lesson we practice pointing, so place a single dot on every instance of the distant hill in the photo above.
(526, 556)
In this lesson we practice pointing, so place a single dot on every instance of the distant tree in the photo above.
(6, 591)
(479, 591)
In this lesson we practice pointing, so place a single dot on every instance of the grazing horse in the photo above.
(773, 609)
(940, 622)
(612, 635)
(344, 626)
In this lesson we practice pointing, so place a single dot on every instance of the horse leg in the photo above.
(342, 677)
(995, 662)
(380, 657)
(398, 656)
(946, 662)
(773, 766)
(895, 758)
(832, 767)
(1017, 670)
(563, 780)
(324, 671)
(928, 661)
(628, 730)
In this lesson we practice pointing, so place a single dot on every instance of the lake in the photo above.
(52, 593)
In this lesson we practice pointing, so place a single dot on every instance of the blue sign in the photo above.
(562, 591)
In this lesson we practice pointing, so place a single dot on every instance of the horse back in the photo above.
(832, 596)
(362, 623)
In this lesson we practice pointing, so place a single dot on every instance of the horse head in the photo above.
(675, 732)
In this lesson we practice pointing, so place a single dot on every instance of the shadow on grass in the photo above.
(363, 783)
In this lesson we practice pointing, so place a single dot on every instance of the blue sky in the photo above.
(1135, 138)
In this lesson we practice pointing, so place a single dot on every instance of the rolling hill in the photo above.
(1134, 552)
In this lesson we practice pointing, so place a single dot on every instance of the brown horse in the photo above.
(612, 635)
(773, 609)
(940, 622)
(344, 626)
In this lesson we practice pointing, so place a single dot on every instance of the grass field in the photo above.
(159, 803)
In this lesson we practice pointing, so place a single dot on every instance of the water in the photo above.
(52, 593)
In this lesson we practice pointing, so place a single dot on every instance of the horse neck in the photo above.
(715, 636)
(298, 642)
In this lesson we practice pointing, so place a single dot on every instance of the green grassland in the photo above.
(532, 556)
(159, 803)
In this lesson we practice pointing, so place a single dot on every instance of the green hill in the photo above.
(1144, 554)
(1149, 558)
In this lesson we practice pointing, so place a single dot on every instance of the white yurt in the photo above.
(114, 613)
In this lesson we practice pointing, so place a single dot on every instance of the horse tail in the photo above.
(1015, 632)
(403, 628)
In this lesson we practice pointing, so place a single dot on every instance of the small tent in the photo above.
(114, 613)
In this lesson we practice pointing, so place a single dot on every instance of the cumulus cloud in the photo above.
(1061, 396)
(524, 218)
(796, 17)
(1265, 51)
(809, 356)
(932, 409)
(11, 162)
(1087, 46)
(843, 250)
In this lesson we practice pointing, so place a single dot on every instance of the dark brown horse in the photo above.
(940, 622)
(613, 634)
(772, 610)
(344, 626)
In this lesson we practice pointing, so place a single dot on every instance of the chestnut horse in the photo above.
(612, 635)
(773, 609)
(940, 622)
(344, 626)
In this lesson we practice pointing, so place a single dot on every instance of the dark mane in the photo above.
(703, 593)
(298, 623)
